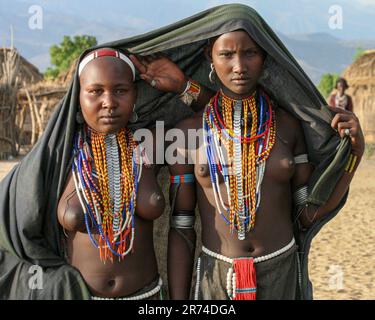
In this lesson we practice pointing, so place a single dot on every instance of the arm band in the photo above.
(191, 93)
(300, 196)
(186, 178)
(302, 158)
(183, 219)
(351, 163)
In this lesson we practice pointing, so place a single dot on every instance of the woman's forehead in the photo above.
(106, 68)
(238, 37)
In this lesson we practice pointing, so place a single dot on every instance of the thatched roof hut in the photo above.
(361, 79)
(33, 99)
(35, 106)
(27, 71)
(36, 103)
(15, 72)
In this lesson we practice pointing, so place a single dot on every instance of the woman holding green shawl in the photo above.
(30, 234)
(252, 175)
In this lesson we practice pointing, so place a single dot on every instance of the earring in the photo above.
(134, 116)
(79, 117)
(212, 74)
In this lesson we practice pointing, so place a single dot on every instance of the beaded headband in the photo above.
(105, 53)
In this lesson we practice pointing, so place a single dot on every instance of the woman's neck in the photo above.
(104, 134)
(233, 96)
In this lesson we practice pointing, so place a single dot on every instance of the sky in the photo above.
(288, 16)
(114, 19)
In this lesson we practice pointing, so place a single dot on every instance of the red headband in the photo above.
(105, 53)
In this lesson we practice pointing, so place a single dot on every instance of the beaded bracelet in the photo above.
(185, 178)
(191, 93)
(351, 163)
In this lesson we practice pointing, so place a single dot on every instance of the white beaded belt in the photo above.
(230, 274)
(142, 296)
(257, 259)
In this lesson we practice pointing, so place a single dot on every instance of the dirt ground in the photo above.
(342, 259)
(6, 166)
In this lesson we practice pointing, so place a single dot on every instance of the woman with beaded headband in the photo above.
(251, 173)
(79, 208)
(111, 196)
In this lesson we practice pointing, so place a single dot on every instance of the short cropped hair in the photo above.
(343, 81)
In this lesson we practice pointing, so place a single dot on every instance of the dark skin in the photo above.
(107, 97)
(272, 230)
(238, 63)
(168, 77)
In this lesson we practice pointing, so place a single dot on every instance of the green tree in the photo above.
(360, 51)
(327, 84)
(66, 52)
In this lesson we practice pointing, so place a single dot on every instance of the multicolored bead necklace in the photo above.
(106, 171)
(239, 136)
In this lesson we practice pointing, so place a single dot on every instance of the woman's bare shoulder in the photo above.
(285, 118)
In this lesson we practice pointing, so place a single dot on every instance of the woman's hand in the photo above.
(161, 73)
(346, 123)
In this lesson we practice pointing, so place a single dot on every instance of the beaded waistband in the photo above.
(232, 285)
(142, 296)
(256, 260)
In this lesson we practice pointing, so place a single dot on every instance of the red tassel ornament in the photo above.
(245, 279)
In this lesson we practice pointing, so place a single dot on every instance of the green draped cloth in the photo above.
(29, 231)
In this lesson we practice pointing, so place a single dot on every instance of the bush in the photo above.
(66, 52)
(360, 51)
(327, 84)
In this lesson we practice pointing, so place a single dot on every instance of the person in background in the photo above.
(339, 98)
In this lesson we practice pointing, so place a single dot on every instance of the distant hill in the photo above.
(34, 44)
(322, 53)
(317, 53)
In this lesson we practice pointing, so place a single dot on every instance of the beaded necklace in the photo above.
(238, 137)
(106, 171)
